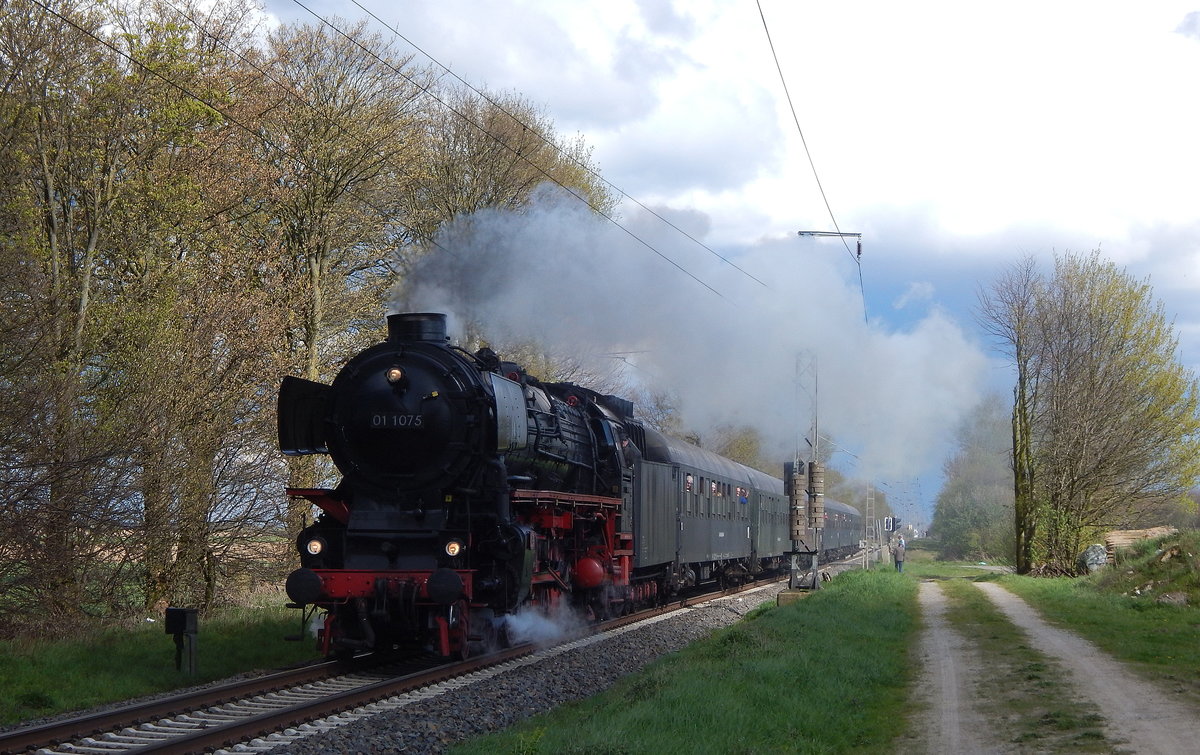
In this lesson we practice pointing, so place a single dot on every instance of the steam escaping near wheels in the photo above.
(544, 630)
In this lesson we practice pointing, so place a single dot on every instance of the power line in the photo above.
(812, 164)
(514, 150)
(796, 120)
(555, 147)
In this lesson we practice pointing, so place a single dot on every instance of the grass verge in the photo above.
(825, 674)
(42, 678)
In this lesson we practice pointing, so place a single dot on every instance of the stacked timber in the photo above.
(1125, 538)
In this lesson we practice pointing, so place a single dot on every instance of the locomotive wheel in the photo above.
(461, 632)
(597, 611)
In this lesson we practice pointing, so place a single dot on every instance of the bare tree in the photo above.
(1008, 312)
(492, 151)
(343, 133)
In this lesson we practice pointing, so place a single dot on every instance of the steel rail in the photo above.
(201, 723)
(55, 732)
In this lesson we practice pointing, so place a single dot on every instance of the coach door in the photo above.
(657, 513)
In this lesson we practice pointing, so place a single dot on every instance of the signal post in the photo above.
(805, 487)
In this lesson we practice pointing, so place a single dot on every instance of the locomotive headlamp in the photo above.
(395, 375)
(453, 548)
(315, 546)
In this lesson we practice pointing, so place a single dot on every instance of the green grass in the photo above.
(40, 678)
(825, 674)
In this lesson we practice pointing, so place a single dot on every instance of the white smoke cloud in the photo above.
(741, 353)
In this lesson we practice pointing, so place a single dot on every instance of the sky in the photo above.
(957, 138)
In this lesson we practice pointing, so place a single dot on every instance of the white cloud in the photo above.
(917, 291)
(1190, 26)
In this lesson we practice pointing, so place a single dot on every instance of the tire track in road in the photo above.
(1138, 714)
(952, 725)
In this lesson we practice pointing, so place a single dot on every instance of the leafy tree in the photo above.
(483, 150)
(743, 444)
(341, 130)
(70, 130)
(139, 350)
(1105, 419)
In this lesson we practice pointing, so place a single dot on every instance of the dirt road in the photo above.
(1139, 717)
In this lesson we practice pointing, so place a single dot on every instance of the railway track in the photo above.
(239, 712)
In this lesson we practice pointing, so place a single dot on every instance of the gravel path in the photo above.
(1139, 716)
(952, 725)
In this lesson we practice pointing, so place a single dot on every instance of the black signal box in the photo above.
(182, 621)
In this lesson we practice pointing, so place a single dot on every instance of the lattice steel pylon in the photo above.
(870, 533)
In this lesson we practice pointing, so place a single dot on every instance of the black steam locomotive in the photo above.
(471, 490)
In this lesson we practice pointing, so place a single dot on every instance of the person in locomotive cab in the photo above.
(898, 554)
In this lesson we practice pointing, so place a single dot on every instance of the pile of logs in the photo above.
(1125, 538)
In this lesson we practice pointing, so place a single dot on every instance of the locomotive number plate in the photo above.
(390, 421)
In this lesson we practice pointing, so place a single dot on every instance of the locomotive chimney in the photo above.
(417, 326)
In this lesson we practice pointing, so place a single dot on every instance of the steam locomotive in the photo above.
(471, 490)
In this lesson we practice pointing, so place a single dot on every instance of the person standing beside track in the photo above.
(898, 554)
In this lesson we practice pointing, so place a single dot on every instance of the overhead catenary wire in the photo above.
(516, 153)
(557, 148)
(812, 164)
